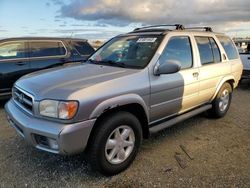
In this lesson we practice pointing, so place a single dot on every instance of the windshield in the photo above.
(127, 51)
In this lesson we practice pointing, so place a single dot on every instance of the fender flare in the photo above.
(223, 80)
(117, 102)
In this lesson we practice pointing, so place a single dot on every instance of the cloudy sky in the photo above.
(102, 19)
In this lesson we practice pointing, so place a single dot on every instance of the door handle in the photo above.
(20, 63)
(195, 74)
(248, 58)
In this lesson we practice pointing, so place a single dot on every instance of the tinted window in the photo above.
(229, 47)
(178, 49)
(83, 48)
(243, 47)
(248, 48)
(43, 48)
(205, 50)
(216, 51)
(12, 50)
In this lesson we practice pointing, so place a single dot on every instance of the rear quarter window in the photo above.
(83, 48)
(229, 47)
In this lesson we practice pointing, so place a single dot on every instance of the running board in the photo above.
(179, 118)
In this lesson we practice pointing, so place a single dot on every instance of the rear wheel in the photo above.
(222, 102)
(114, 143)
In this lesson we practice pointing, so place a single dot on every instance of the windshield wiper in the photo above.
(92, 61)
(115, 63)
(108, 63)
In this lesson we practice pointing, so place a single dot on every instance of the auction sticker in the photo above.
(146, 40)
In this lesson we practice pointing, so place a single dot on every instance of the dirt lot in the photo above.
(220, 148)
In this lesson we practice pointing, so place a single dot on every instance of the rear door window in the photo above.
(83, 48)
(205, 50)
(216, 51)
(13, 50)
(208, 49)
(229, 47)
(46, 49)
(179, 49)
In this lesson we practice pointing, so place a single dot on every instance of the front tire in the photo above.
(222, 102)
(114, 143)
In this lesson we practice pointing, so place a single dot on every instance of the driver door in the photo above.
(175, 93)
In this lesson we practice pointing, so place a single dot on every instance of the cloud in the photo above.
(125, 12)
(79, 25)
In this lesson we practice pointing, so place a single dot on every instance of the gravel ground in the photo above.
(220, 152)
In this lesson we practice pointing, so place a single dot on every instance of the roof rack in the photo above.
(177, 27)
(208, 29)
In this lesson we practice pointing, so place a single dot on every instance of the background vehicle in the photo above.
(19, 56)
(135, 85)
(244, 50)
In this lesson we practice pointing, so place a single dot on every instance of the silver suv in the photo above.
(134, 85)
(244, 49)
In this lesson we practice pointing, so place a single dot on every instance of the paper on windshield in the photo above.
(146, 39)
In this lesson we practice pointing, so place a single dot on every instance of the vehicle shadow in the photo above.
(245, 84)
(3, 102)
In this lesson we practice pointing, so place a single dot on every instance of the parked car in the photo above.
(244, 50)
(19, 56)
(133, 86)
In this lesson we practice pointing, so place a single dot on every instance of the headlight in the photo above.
(58, 109)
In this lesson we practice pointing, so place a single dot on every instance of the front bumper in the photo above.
(47, 135)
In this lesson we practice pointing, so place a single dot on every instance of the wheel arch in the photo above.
(229, 79)
(130, 103)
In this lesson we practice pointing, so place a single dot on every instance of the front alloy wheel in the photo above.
(114, 143)
(120, 144)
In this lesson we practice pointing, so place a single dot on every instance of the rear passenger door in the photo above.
(213, 66)
(47, 54)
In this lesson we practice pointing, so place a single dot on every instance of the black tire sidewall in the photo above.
(107, 126)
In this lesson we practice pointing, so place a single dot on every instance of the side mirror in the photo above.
(169, 67)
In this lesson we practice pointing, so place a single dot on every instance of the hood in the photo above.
(59, 83)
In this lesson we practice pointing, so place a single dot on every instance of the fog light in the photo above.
(53, 144)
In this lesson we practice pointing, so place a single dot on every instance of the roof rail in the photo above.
(177, 27)
(208, 29)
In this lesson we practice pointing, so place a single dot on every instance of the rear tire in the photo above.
(114, 143)
(222, 102)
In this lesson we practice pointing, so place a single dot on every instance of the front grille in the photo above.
(23, 99)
